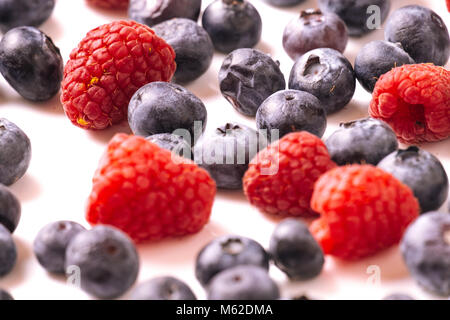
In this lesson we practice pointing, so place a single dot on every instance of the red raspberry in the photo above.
(448, 5)
(139, 189)
(109, 65)
(363, 210)
(280, 178)
(415, 101)
(110, 4)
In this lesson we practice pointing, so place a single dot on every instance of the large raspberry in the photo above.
(110, 4)
(415, 101)
(139, 189)
(362, 211)
(280, 178)
(109, 65)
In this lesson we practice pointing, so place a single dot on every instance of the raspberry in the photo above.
(415, 101)
(363, 210)
(280, 178)
(139, 189)
(107, 68)
(448, 5)
(110, 4)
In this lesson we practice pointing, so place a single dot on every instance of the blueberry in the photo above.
(232, 24)
(9, 209)
(193, 47)
(5, 295)
(247, 77)
(151, 12)
(16, 13)
(421, 32)
(50, 244)
(291, 110)
(376, 58)
(361, 141)
(398, 296)
(361, 16)
(422, 172)
(16, 152)
(31, 63)
(284, 3)
(244, 282)
(326, 74)
(161, 107)
(107, 260)
(227, 153)
(313, 29)
(172, 142)
(227, 252)
(8, 251)
(163, 288)
(295, 251)
(426, 251)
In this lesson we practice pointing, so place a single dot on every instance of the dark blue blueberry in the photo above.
(193, 47)
(247, 77)
(227, 252)
(361, 141)
(295, 251)
(172, 142)
(398, 296)
(426, 251)
(313, 29)
(361, 16)
(289, 111)
(227, 152)
(31, 63)
(5, 295)
(16, 13)
(422, 172)
(16, 152)
(284, 3)
(107, 260)
(161, 107)
(421, 32)
(8, 251)
(151, 12)
(9, 209)
(163, 288)
(232, 24)
(326, 74)
(51, 243)
(376, 58)
(244, 282)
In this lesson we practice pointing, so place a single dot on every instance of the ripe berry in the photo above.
(172, 142)
(5, 295)
(107, 260)
(398, 296)
(9, 209)
(227, 252)
(8, 251)
(163, 288)
(284, 3)
(16, 13)
(313, 29)
(110, 4)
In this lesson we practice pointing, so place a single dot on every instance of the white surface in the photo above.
(65, 157)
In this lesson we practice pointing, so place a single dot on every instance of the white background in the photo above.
(65, 157)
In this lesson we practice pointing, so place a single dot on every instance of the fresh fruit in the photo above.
(8, 251)
(16, 152)
(398, 296)
(151, 12)
(313, 29)
(422, 172)
(426, 252)
(244, 282)
(5, 295)
(361, 141)
(232, 24)
(376, 58)
(284, 3)
(172, 142)
(227, 252)
(162, 107)
(289, 111)
(414, 101)
(193, 47)
(17, 13)
(363, 210)
(110, 4)
(163, 288)
(247, 77)
(148, 192)
(295, 251)
(280, 179)
(31, 63)
(226, 153)
(326, 74)
(107, 260)
(421, 32)
(360, 16)
(9, 209)
(109, 65)
(51, 242)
